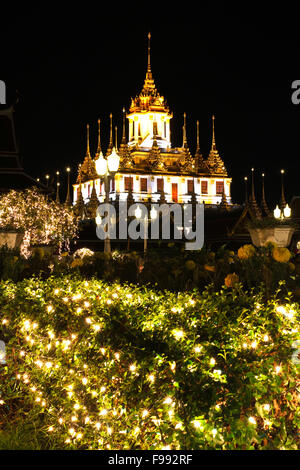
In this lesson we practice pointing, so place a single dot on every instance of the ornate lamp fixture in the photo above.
(107, 168)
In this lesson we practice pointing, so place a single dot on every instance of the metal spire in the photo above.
(246, 190)
(264, 205)
(282, 201)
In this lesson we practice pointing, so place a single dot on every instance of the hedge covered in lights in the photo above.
(108, 366)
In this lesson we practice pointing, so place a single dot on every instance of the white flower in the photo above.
(82, 252)
(296, 354)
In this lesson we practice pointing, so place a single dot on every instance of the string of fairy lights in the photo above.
(84, 404)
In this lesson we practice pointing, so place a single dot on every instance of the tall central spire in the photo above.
(149, 86)
(149, 51)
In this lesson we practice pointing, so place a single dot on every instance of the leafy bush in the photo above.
(172, 269)
(100, 365)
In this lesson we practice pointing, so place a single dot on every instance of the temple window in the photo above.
(143, 184)
(127, 181)
(160, 185)
(204, 187)
(219, 187)
(190, 186)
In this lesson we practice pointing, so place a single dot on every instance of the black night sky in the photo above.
(74, 62)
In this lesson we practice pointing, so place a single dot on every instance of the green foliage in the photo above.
(172, 268)
(100, 365)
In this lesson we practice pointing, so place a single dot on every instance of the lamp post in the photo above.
(153, 215)
(106, 169)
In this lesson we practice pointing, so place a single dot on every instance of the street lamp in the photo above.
(106, 169)
(282, 214)
(138, 215)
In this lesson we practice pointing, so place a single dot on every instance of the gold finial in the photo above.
(198, 142)
(184, 129)
(149, 49)
(99, 140)
(213, 132)
(110, 137)
(88, 139)
(124, 132)
(116, 137)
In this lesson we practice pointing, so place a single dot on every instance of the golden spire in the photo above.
(116, 138)
(110, 138)
(88, 140)
(99, 141)
(184, 131)
(124, 128)
(149, 86)
(214, 160)
(110, 145)
(198, 142)
(213, 144)
(149, 50)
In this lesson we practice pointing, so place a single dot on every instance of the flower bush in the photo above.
(42, 220)
(231, 280)
(172, 269)
(282, 255)
(96, 365)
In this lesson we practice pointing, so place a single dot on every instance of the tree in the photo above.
(42, 220)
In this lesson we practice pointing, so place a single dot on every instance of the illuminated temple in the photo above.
(151, 169)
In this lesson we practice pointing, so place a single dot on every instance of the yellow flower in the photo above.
(231, 280)
(282, 255)
(76, 262)
(246, 251)
(209, 267)
(65, 253)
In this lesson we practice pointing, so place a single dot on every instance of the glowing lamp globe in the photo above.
(98, 220)
(287, 211)
(277, 213)
(101, 165)
(153, 213)
(113, 161)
